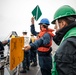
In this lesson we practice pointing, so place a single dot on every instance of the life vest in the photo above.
(46, 47)
(32, 39)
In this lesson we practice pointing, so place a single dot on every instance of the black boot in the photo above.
(23, 71)
(27, 68)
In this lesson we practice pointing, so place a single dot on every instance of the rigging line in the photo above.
(7, 36)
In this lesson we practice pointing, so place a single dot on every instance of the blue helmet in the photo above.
(44, 21)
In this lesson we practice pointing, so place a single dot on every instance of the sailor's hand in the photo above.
(32, 20)
(26, 48)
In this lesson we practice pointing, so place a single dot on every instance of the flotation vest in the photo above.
(32, 39)
(46, 47)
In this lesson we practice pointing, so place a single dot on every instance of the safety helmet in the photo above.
(13, 36)
(24, 30)
(64, 11)
(44, 21)
(32, 34)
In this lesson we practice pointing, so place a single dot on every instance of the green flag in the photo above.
(36, 12)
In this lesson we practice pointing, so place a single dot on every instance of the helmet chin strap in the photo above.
(57, 25)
